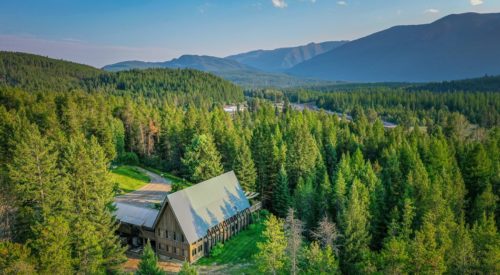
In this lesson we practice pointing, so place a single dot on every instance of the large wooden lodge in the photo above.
(191, 221)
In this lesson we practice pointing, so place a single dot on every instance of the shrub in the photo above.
(130, 158)
(217, 250)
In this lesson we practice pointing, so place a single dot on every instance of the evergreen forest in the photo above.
(344, 196)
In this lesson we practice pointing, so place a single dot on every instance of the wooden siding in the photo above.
(180, 249)
(166, 229)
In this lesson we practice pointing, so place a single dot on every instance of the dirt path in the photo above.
(153, 177)
(150, 194)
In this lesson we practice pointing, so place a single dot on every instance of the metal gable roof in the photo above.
(206, 204)
(131, 214)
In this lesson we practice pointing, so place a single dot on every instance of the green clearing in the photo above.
(128, 178)
(238, 252)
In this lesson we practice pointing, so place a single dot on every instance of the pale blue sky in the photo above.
(99, 32)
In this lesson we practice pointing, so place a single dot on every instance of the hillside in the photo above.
(279, 60)
(454, 47)
(482, 84)
(226, 68)
(198, 62)
(42, 73)
(192, 84)
(37, 73)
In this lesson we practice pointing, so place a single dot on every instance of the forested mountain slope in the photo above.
(279, 60)
(37, 73)
(228, 69)
(454, 47)
(198, 62)
(482, 84)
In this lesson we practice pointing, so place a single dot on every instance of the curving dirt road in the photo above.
(150, 194)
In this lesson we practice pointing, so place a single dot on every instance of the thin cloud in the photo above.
(476, 2)
(280, 4)
(342, 3)
(432, 11)
(203, 8)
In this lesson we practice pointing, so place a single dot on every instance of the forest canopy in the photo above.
(357, 198)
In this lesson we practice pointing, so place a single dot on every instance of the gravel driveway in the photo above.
(150, 194)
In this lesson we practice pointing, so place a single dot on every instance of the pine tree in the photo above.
(339, 196)
(271, 256)
(477, 170)
(40, 188)
(427, 256)
(324, 190)
(225, 138)
(484, 203)
(244, 168)
(304, 202)
(16, 259)
(320, 261)
(355, 222)
(262, 141)
(281, 194)
(301, 155)
(395, 253)
(395, 256)
(97, 247)
(486, 244)
(461, 257)
(187, 269)
(202, 160)
(149, 263)
(52, 246)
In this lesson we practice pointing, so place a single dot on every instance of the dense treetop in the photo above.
(364, 199)
(37, 73)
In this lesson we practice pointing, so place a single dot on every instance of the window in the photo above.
(175, 250)
(175, 237)
(200, 248)
(166, 234)
(182, 237)
(168, 248)
(193, 252)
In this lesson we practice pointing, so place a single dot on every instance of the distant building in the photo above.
(191, 221)
(232, 109)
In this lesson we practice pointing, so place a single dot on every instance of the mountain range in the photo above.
(252, 69)
(282, 59)
(453, 47)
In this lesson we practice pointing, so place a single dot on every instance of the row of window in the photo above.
(175, 250)
(197, 250)
(174, 235)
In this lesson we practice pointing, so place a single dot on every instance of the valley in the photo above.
(221, 140)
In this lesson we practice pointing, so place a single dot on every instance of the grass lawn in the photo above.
(240, 249)
(128, 178)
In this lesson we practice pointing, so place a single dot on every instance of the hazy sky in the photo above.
(100, 32)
